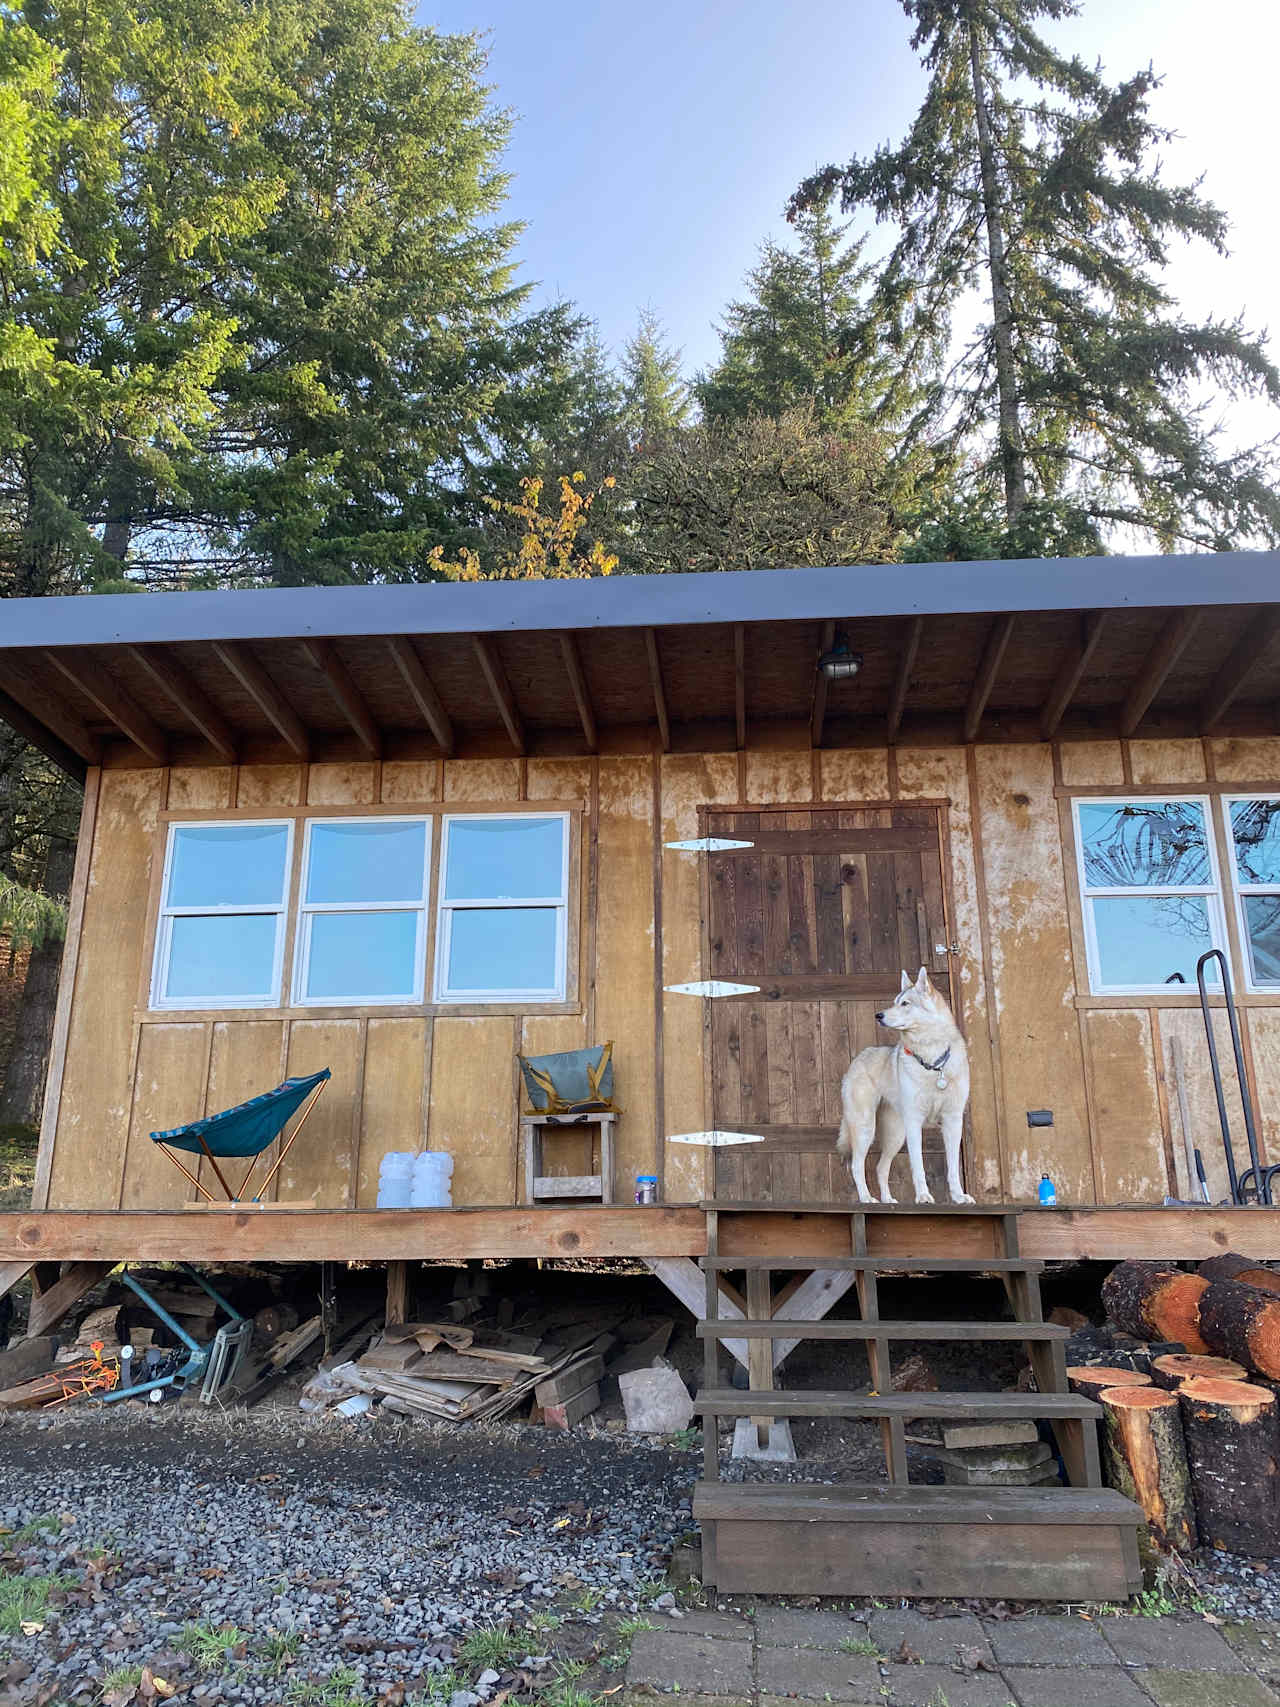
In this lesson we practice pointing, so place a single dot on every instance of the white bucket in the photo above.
(432, 1181)
(395, 1180)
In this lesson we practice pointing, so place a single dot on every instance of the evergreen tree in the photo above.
(1081, 399)
(798, 338)
(655, 397)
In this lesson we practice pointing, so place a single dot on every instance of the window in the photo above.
(221, 931)
(1254, 825)
(1149, 883)
(362, 912)
(504, 886)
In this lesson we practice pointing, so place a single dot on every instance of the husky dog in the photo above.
(890, 1093)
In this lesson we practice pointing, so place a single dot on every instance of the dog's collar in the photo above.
(931, 1066)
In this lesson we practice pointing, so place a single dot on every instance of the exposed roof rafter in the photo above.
(422, 690)
(500, 688)
(740, 683)
(821, 685)
(1164, 654)
(35, 713)
(902, 677)
(1244, 655)
(350, 701)
(189, 697)
(97, 683)
(581, 695)
(998, 637)
(659, 691)
(265, 695)
(1071, 672)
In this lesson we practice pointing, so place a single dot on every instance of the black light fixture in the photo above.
(840, 664)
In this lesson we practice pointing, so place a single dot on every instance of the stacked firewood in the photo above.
(1191, 1424)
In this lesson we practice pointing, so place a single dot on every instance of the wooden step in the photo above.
(885, 1265)
(1040, 1543)
(732, 1402)
(732, 1206)
(726, 1328)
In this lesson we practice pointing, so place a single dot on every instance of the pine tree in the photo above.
(799, 337)
(655, 397)
(1081, 399)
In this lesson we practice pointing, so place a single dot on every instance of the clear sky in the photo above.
(656, 141)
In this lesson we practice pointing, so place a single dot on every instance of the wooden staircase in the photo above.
(898, 1538)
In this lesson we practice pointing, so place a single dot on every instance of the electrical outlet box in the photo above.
(1039, 1117)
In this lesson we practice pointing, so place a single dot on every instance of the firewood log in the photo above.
(1172, 1370)
(1156, 1302)
(1264, 1279)
(1225, 1267)
(1093, 1379)
(1147, 1461)
(1243, 1323)
(1233, 1449)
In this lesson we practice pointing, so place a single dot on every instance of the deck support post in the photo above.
(397, 1292)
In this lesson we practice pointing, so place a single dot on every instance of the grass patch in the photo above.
(46, 1525)
(438, 1688)
(589, 1599)
(630, 1627)
(207, 1644)
(493, 1646)
(25, 1600)
(860, 1645)
(121, 1678)
(18, 1145)
(342, 1689)
(280, 1650)
(543, 1622)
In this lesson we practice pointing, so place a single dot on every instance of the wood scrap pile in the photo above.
(457, 1372)
(1187, 1374)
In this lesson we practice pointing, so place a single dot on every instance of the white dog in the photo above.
(893, 1092)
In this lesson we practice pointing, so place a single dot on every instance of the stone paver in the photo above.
(727, 1624)
(780, 1627)
(1207, 1689)
(1258, 1645)
(1174, 1644)
(1043, 1640)
(925, 1686)
(1074, 1686)
(818, 1674)
(934, 1639)
(700, 1665)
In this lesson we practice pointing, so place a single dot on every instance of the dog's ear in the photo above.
(922, 982)
(905, 985)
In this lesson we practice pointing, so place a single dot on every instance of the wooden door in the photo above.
(823, 912)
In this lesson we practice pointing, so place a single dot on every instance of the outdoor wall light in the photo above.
(840, 664)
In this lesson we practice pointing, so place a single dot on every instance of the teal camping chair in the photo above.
(246, 1130)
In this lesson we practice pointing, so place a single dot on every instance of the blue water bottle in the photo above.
(1048, 1192)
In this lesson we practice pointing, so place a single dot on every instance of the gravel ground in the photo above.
(372, 1549)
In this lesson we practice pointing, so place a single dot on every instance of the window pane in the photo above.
(1144, 843)
(1255, 827)
(362, 954)
(228, 956)
(500, 859)
(1262, 918)
(1145, 939)
(228, 865)
(366, 862)
(503, 948)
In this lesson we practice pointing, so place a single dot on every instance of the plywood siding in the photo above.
(1126, 1107)
(393, 1104)
(473, 1105)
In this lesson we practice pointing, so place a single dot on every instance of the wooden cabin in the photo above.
(994, 794)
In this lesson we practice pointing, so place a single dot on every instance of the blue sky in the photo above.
(656, 142)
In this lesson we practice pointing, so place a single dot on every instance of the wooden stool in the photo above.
(538, 1185)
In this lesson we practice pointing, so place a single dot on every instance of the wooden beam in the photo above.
(578, 682)
(1159, 661)
(265, 695)
(902, 676)
(239, 1233)
(189, 697)
(422, 691)
(1071, 672)
(49, 1307)
(740, 682)
(659, 692)
(350, 701)
(97, 684)
(46, 712)
(684, 1280)
(993, 652)
(1247, 652)
(500, 688)
(821, 686)
(11, 1273)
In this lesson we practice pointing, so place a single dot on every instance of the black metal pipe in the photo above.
(1255, 1179)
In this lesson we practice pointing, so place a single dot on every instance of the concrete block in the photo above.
(957, 1437)
(1076, 1686)
(1046, 1640)
(746, 1441)
(817, 1674)
(699, 1665)
(1205, 1689)
(1174, 1644)
(655, 1400)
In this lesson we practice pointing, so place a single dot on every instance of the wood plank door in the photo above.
(823, 912)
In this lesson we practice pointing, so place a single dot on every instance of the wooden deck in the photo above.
(1107, 1233)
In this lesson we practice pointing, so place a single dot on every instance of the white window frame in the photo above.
(307, 911)
(1089, 893)
(164, 924)
(1242, 889)
(446, 909)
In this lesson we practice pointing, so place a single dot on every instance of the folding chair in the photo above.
(246, 1130)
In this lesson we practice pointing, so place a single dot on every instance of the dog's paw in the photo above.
(887, 1197)
(962, 1197)
(925, 1196)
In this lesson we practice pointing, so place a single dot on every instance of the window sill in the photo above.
(1190, 999)
(354, 1010)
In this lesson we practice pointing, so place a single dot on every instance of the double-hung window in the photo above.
(1149, 884)
(362, 911)
(220, 937)
(1253, 823)
(501, 934)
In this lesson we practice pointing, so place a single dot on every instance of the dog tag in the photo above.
(942, 1081)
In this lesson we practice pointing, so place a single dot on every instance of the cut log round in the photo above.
(1225, 1267)
(1172, 1370)
(1265, 1279)
(1093, 1379)
(1147, 1461)
(1233, 1450)
(1244, 1324)
(1156, 1301)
